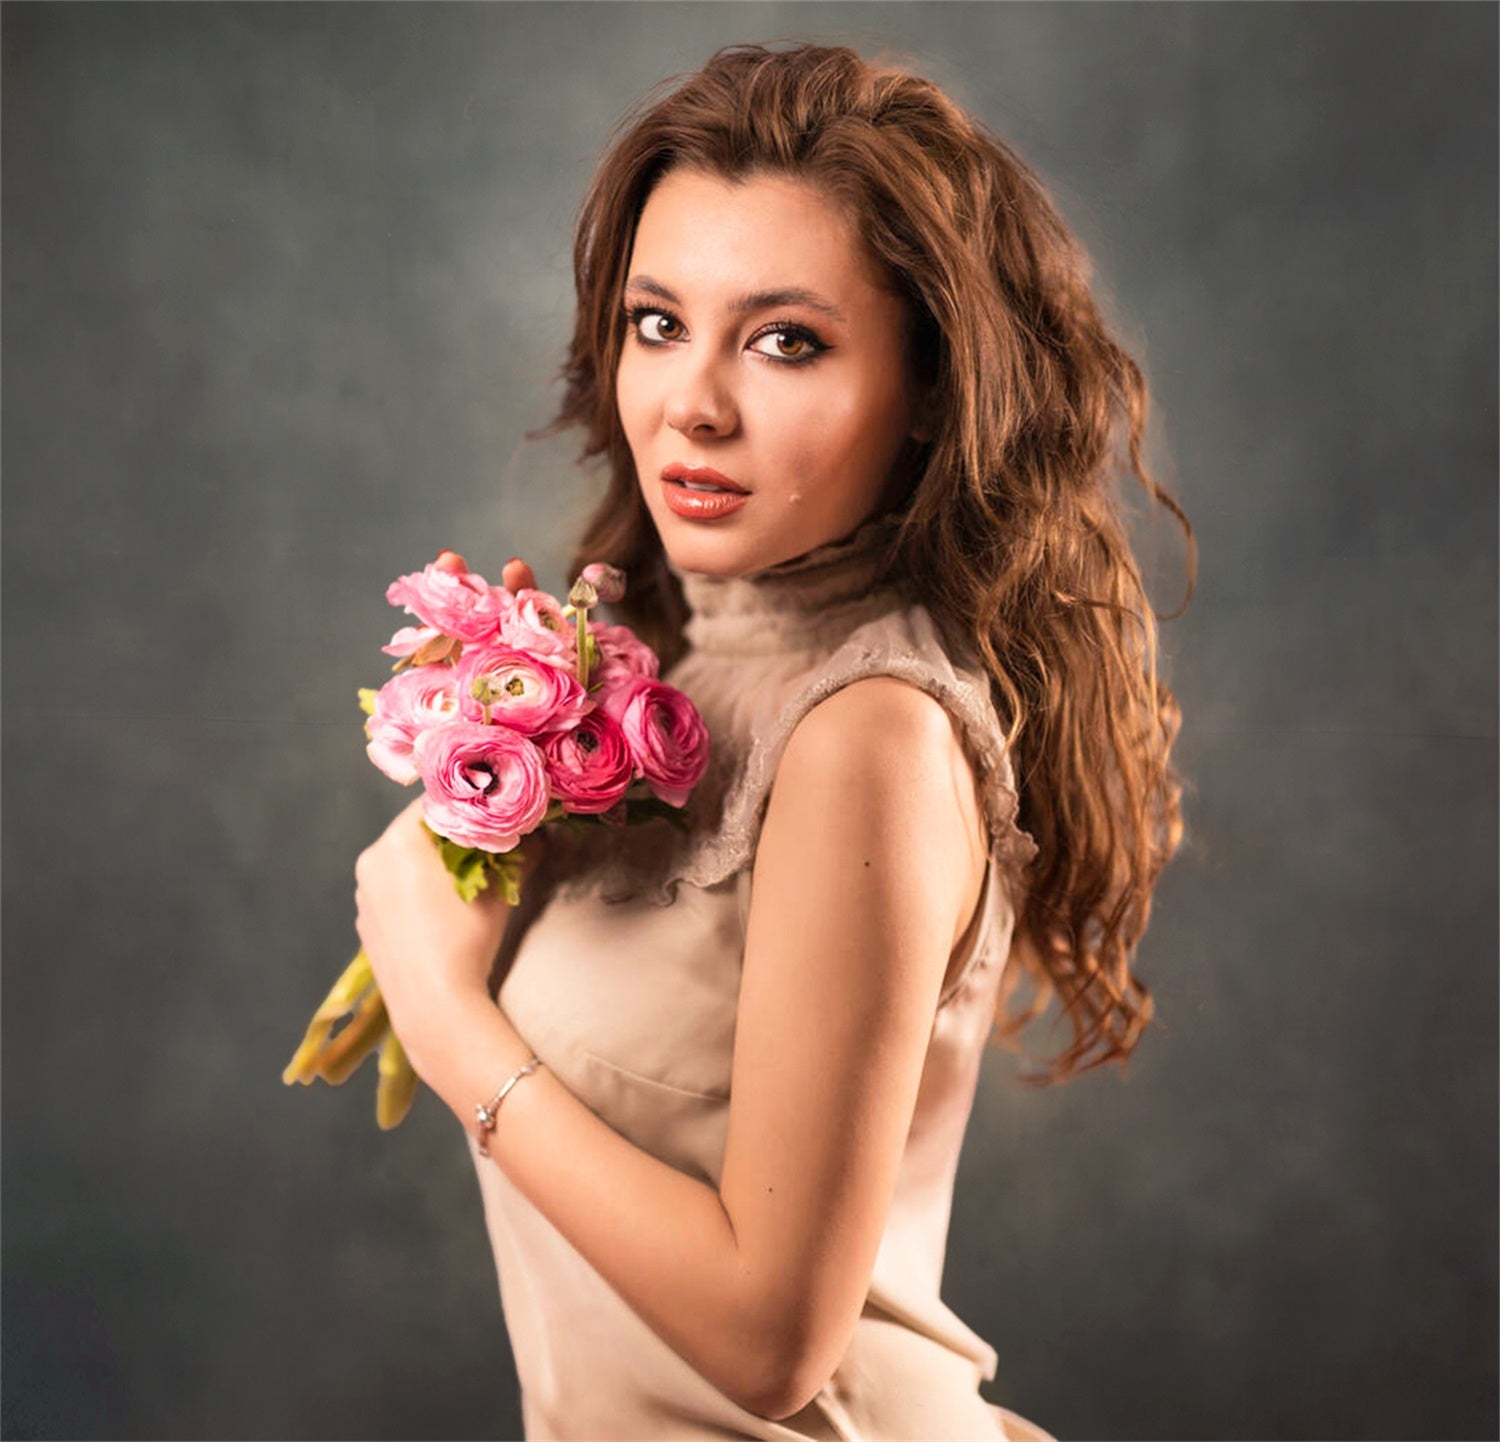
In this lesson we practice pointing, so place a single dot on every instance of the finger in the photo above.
(517, 575)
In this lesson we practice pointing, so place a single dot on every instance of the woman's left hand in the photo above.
(431, 951)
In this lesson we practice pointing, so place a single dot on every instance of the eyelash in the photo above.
(635, 313)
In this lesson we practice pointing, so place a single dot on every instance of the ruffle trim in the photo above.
(651, 861)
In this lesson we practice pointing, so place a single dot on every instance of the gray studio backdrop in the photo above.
(283, 288)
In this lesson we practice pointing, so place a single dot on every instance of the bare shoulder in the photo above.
(888, 758)
(877, 717)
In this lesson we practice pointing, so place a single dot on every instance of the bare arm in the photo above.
(660, 1238)
(865, 871)
(868, 866)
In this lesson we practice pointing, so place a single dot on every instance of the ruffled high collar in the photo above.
(803, 603)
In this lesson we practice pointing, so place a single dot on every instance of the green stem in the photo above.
(583, 646)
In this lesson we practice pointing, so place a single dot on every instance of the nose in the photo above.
(700, 404)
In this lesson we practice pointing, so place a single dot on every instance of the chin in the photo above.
(712, 554)
(734, 546)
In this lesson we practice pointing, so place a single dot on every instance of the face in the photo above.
(763, 342)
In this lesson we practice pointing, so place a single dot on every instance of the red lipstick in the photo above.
(695, 501)
(703, 475)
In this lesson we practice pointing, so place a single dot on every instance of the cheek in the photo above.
(840, 435)
(633, 403)
(632, 397)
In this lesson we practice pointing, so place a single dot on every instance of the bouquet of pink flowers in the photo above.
(513, 711)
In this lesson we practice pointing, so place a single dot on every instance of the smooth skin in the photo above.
(810, 419)
(867, 874)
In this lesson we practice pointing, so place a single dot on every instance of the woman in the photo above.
(858, 411)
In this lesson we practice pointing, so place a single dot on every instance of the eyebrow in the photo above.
(753, 300)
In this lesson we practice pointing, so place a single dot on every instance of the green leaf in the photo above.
(507, 868)
(467, 865)
(470, 884)
(472, 868)
(654, 806)
(510, 880)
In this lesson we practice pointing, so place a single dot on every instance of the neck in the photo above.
(799, 603)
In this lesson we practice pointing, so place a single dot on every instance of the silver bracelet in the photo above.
(484, 1113)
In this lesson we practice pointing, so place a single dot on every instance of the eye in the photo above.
(635, 314)
(794, 344)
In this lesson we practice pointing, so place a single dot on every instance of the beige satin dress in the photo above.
(623, 974)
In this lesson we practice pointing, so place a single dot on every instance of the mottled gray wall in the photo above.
(283, 287)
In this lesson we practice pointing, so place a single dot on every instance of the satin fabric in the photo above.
(623, 974)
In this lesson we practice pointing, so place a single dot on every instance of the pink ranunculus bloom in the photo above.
(407, 705)
(536, 624)
(410, 639)
(456, 603)
(622, 656)
(589, 766)
(664, 732)
(485, 786)
(529, 694)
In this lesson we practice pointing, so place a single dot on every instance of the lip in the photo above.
(704, 475)
(694, 505)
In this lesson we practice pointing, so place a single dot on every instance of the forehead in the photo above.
(700, 232)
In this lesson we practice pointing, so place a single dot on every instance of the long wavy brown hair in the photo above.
(1009, 532)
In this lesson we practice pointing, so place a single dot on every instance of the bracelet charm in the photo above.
(485, 1112)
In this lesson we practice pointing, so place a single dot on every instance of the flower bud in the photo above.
(608, 581)
(451, 562)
